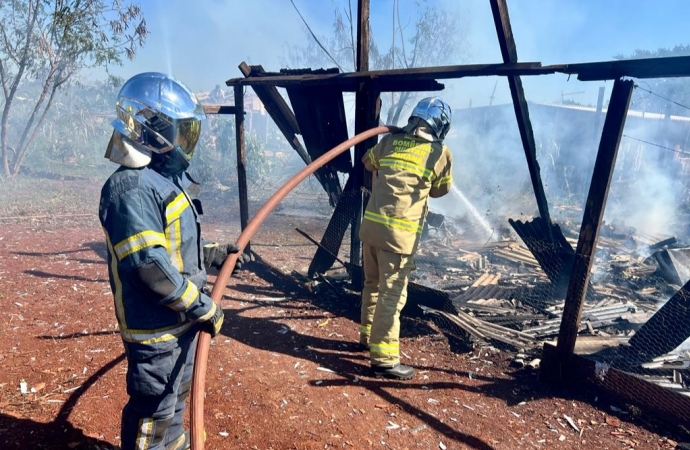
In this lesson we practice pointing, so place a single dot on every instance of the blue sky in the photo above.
(203, 41)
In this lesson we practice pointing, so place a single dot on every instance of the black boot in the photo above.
(398, 372)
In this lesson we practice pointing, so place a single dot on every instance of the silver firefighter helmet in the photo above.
(436, 113)
(159, 113)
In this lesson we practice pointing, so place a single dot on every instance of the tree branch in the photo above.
(315, 38)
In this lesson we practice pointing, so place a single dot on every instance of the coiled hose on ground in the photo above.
(201, 360)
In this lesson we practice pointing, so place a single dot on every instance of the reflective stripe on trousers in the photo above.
(383, 297)
(158, 386)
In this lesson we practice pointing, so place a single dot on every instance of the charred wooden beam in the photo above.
(667, 67)
(405, 86)
(241, 160)
(273, 102)
(368, 108)
(286, 121)
(594, 212)
(320, 111)
(509, 53)
(414, 85)
(386, 78)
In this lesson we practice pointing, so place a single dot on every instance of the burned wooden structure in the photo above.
(317, 114)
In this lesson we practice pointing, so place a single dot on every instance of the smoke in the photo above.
(647, 190)
(647, 195)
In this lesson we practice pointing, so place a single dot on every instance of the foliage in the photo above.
(438, 37)
(45, 45)
(666, 91)
(77, 128)
(214, 159)
(259, 165)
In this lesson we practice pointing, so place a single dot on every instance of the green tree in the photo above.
(47, 43)
(76, 128)
(437, 37)
(669, 95)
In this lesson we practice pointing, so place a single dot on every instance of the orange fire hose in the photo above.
(201, 359)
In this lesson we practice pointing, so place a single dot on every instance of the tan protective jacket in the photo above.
(409, 168)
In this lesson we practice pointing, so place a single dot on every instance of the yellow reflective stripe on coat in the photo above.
(384, 349)
(172, 230)
(133, 244)
(190, 294)
(393, 222)
(365, 330)
(372, 158)
(155, 336)
(448, 179)
(407, 165)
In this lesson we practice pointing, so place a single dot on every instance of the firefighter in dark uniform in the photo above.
(409, 167)
(156, 258)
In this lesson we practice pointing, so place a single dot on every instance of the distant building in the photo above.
(567, 138)
(256, 118)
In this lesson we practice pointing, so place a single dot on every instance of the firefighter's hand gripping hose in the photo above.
(199, 379)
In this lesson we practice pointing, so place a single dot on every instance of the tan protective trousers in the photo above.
(383, 297)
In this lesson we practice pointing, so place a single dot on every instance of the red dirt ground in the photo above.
(284, 374)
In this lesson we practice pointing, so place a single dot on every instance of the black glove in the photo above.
(240, 261)
(213, 325)
(215, 254)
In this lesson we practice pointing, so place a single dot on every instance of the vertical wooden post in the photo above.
(506, 41)
(591, 220)
(363, 120)
(241, 159)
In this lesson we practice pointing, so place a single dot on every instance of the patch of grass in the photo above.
(40, 196)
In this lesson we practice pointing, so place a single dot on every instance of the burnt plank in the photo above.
(286, 121)
(320, 111)
(241, 160)
(368, 108)
(666, 67)
(350, 80)
(273, 102)
(506, 41)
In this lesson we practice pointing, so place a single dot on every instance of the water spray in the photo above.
(474, 212)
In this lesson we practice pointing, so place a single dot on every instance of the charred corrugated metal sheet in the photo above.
(550, 248)
(492, 291)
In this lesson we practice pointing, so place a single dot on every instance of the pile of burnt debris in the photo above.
(636, 312)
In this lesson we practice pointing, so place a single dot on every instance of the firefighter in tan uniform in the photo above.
(409, 167)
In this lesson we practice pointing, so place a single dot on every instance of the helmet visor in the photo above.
(157, 131)
(188, 132)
